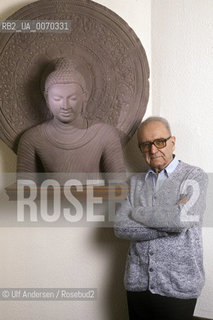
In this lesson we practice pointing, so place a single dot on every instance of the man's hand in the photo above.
(183, 200)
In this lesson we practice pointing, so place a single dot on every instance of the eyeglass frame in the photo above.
(150, 143)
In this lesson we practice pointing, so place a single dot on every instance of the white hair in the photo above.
(157, 119)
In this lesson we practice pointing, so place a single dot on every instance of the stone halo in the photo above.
(109, 54)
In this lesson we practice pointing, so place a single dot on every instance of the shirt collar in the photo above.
(172, 166)
(168, 170)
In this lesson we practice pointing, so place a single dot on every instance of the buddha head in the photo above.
(65, 91)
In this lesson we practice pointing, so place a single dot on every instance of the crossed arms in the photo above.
(135, 221)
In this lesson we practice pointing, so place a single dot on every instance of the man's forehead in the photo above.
(153, 128)
(158, 125)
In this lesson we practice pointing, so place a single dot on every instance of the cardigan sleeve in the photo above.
(125, 227)
(177, 217)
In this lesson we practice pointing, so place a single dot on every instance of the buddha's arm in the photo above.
(26, 158)
(112, 158)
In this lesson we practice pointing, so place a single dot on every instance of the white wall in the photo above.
(177, 36)
(67, 257)
(182, 69)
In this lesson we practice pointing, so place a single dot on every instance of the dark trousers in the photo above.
(148, 306)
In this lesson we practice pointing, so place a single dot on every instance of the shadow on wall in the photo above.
(116, 304)
(133, 157)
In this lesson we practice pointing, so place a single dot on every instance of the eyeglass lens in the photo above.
(158, 143)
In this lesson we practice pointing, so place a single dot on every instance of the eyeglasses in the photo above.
(158, 143)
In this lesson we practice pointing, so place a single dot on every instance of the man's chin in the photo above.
(157, 161)
(157, 164)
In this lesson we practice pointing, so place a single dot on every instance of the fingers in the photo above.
(183, 200)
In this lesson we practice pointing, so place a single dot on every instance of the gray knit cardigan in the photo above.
(165, 254)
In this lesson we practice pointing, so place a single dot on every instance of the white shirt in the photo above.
(157, 179)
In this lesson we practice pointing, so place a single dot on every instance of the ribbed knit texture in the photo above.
(165, 254)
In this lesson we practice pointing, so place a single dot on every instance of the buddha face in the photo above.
(65, 101)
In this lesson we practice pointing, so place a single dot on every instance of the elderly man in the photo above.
(162, 217)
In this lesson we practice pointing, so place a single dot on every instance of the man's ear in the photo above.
(173, 143)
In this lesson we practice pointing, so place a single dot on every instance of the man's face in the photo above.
(65, 101)
(156, 158)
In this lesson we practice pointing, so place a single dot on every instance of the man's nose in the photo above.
(153, 149)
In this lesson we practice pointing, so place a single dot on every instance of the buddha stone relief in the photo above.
(105, 56)
(69, 142)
